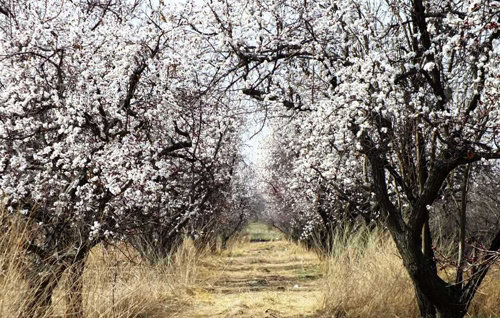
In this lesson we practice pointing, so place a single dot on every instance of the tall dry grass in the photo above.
(116, 282)
(13, 234)
(365, 278)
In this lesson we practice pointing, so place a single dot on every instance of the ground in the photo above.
(265, 276)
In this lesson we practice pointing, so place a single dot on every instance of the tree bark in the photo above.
(435, 297)
(427, 309)
(224, 243)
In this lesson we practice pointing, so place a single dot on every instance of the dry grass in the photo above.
(13, 233)
(486, 303)
(117, 283)
(120, 286)
(272, 278)
(260, 278)
(367, 279)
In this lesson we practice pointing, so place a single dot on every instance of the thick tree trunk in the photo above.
(427, 309)
(452, 311)
(435, 297)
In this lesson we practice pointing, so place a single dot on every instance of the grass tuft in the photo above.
(365, 278)
(117, 283)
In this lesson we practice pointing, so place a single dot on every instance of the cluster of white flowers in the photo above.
(115, 114)
(102, 119)
(354, 77)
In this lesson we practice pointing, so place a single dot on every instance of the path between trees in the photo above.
(269, 279)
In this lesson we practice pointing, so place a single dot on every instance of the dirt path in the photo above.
(260, 279)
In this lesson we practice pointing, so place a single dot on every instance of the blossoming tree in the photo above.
(412, 86)
(103, 130)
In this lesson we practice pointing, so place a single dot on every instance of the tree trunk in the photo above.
(427, 309)
(224, 243)
(74, 295)
(448, 300)
(453, 311)
(435, 297)
(41, 285)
